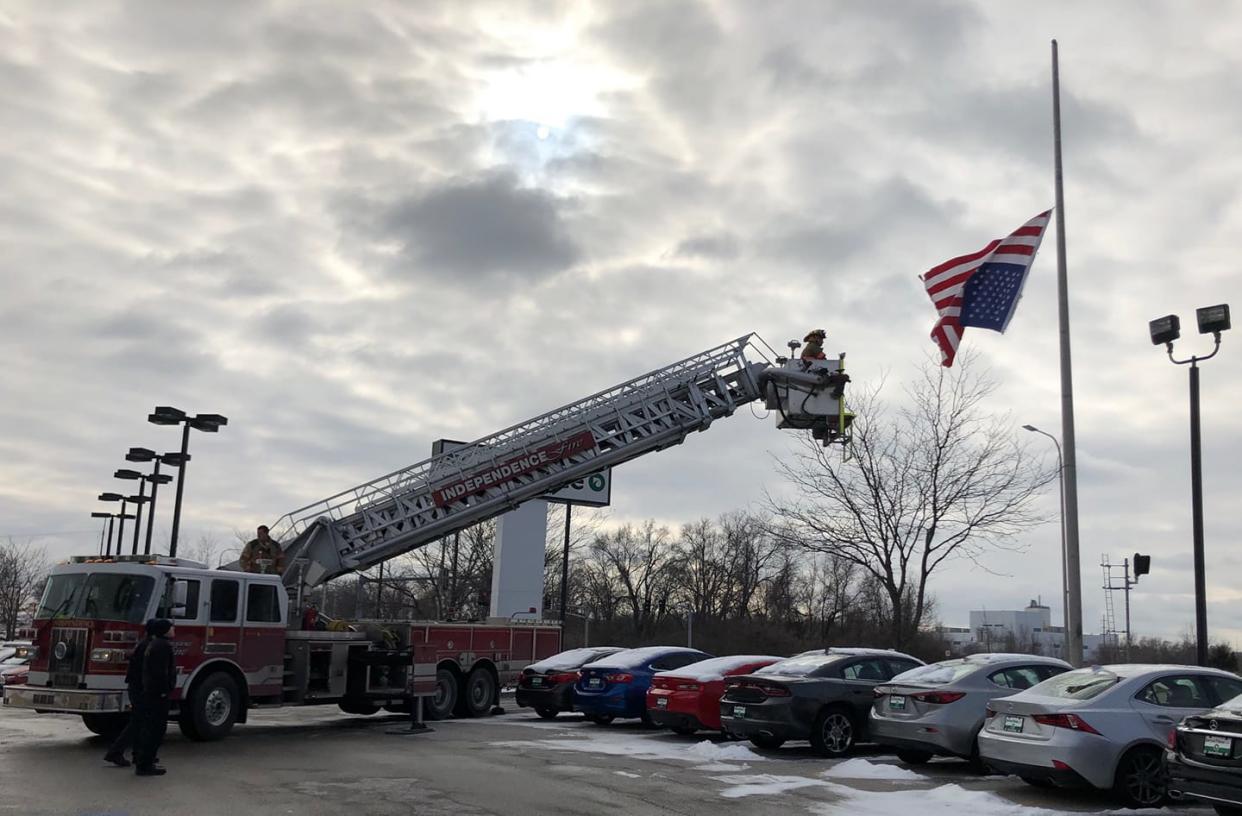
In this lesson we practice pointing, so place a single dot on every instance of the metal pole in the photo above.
(690, 630)
(565, 566)
(1196, 498)
(155, 486)
(358, 596)
(176, 525)
(120, 533)
(1073, 634)
(1126, 564)
(142, 494)
(108, 552)
(453, 577)
(379, 593)
(586, 630)
(103, 528)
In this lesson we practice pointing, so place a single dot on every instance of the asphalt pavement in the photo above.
(311, 761)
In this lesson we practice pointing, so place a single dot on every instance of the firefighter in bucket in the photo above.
(262, 554)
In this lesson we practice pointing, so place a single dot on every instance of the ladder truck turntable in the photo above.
(238, 641)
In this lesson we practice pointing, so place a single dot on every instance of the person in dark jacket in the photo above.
(159, 678)
(133, 679)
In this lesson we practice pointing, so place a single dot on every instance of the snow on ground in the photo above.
(740, 785)
(705, 754)
(865, 769)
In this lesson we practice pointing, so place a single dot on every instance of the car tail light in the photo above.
(1171, 740)
(939, 697)
(775, 691)
(1061, 766)
(619, 677)
(564, 677)
(687, 686)
(1070, 721)
(877, 693)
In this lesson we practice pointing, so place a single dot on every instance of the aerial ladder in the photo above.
(417, 505)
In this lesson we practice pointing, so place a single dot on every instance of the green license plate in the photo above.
(897, 703)
(1013, 724)
(739, 712)
(1217, 746)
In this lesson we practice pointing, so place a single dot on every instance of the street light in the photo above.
(1064, 561)
(115, 497)
(1164, 330)
(208, 423)
(104, 531)
(156, 479)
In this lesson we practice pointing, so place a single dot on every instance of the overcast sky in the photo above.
(356, 228)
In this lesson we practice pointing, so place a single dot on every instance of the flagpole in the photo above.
(1073, 592)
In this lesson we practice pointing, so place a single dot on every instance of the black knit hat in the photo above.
(158, 627)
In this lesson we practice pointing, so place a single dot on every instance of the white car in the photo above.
(1105, 726)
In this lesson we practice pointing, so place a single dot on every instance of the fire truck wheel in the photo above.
(213, 709)
(359, 707)
(480, 692)
(105, 725)
(440, 706)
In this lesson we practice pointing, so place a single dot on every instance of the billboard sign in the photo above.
(594, 490)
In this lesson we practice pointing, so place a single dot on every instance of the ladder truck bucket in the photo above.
(810, 395)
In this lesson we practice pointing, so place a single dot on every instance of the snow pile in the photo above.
(708, 751)
(864, 769)
(741, 785)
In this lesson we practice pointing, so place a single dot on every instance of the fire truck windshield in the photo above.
(97, 596)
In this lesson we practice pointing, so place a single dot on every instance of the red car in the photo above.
(688, 699)
(13, 671)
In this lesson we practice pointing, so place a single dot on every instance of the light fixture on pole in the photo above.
(1064, 558)
(114, 497)
(208, 423)
(140, 499)
(156, 479)
(1164, 331)
(103, 530)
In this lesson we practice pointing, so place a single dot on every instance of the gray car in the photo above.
(937, 710)
(1105, 726)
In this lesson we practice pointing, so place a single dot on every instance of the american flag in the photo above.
(982, 289)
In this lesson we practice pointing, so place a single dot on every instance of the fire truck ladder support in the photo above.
(394, 514)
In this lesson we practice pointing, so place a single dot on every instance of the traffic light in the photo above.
(1142, 565)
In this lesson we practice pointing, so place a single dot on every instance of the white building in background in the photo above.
(1026, 630)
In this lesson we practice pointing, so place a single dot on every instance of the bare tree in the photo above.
(23, 568)
(921, 484)
(640, 558)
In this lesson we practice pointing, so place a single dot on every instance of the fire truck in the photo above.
(238, 636)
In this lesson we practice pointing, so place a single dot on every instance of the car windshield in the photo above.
(572, 659)
(97, 596)
(938, 674)
(800, 666)
(1077, 685)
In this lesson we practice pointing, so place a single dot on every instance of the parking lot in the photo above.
(317, 761)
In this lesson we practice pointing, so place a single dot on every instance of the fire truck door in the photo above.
(223, 636)
(263, 639)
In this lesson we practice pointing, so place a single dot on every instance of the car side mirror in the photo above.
(181, 595)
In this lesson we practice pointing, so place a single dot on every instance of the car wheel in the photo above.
(977, 765)
(685, 729)
(833, 733)
(645, 720)
(1140, 778)
(105, 725)
(363, 707)
(767, 743)
(214, 706)
(1036, 783)
(914, 757)
(441, 704)
(480, 692)
(601, 719)
(547, 712)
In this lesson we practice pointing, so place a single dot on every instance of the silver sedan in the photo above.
(937, 710)
(1105, 726)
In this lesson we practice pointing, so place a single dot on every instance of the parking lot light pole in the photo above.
(1164, 330)
(208, 423)
(156, 479)
(103, 530)
(1064, 560)
(114, 497)
(140, 499)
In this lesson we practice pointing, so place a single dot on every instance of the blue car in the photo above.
(616, 686)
